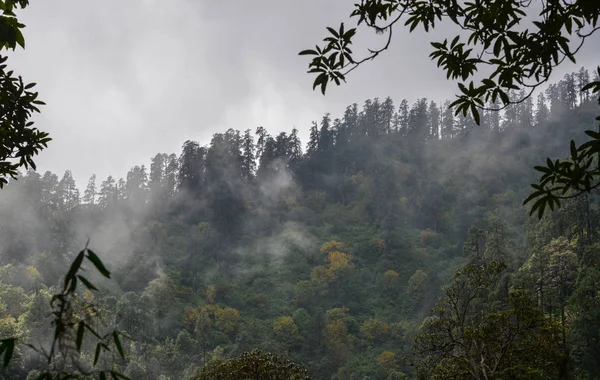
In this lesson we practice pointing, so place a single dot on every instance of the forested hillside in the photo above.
(332, 252)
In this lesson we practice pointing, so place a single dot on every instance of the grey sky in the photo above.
(125, 80)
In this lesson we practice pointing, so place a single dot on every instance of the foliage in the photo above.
(568, 178)
(517, 59)
(374, 330)
(227, 319)
(286, 328)
(71, 320)
(387, 359)
(255, 364)
(417, 284)
(20, 140)
(465, 339)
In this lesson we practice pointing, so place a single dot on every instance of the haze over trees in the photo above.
(392, 245)
(500, 47)
(332, 252)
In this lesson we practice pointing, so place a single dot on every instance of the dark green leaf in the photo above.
(8, 347)
(97, 354)
(73, 269)
(87, 283)
(80, 331)
(97, 263)
(308, 52)
(115, 335)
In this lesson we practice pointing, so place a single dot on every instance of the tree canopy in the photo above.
(254, 365)
(20, 141)
(519, 43)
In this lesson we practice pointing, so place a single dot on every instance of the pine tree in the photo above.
(387, 114)
(248, 159)
(313, 141)
(89, 196)
(136, 185)
(511, 113)
(583, 78)
(525, 111)
(351, 121)
(403, 113)
(325, 135)
(295, 148)
(171, 174)
(262, 134)
(541, 110)
(281, 146)
(108, 192)
(568, 91)
(553, 96)
(232, 153)
(156, 183)
(192, 165)
(418, 122)
(448, 122)
(68, 194)
(434, 121)
(121, 192)
(493, 117)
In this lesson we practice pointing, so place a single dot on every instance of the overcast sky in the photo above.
(124, 80)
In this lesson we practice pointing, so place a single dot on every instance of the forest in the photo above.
(394, 244)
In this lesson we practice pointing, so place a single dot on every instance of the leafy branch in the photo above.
(19, 140)
(71, 324)
(518, 59)
(568, 178)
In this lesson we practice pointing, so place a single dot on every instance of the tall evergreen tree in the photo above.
(295, 148)
(387, 114)
(108, 192)
(262, 134)
(434, 121)
(351, 121)
(325, 134)
(403, 112)
(49, 190)
(313, 141)
(553, 96)
(448, 124)
(583, 78)
(492, 118)
(511, 113)
(418, 122)
(89, 196)
(156, 183)
(541, 109)
(568, 91)
(68, 194)
(248, 158)
(136, 185)
(172, 174)
(525, 111)
(192, 165)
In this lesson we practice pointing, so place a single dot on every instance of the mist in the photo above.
(214, 247)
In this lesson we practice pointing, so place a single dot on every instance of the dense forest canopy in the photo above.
(330, 253)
